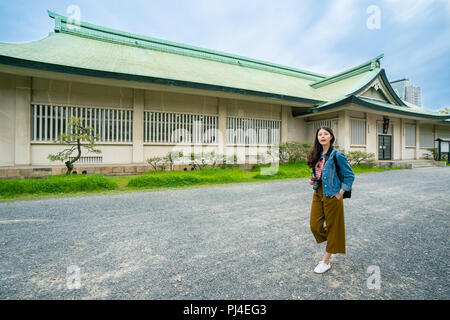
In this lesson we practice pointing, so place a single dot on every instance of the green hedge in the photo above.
(184, 178)
(216, 175)
(56, 184)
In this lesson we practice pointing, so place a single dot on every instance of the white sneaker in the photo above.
(322, 267)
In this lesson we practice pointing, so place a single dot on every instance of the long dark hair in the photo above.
(316, 150)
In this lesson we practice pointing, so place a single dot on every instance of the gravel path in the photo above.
(240, 241)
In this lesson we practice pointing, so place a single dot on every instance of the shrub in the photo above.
(358, 157)
(182, 178)
(435, 154)
(56, 184)
(162, 180)
(203, 160)
(292, 152)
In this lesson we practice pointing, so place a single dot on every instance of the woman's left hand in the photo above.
(340, 194)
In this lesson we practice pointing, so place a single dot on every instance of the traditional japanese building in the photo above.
(146, 97)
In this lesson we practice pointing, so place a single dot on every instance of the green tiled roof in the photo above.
(115, 36)
(118, 54)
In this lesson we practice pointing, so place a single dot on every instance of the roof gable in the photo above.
(362, 68)
(382, 85)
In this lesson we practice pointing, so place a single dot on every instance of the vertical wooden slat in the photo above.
(127, 125)
(157, 116)
(106, 125)
(176, 122)
(196, 129)
(61, 120)
(120, 115)
(228, 130)
(34, 122)
(103, 124)
(170, 127)
(40, 122)
(95, 117)
(45, 122)
(166, 125)
(56, 122)
(51, 108)
(163, 126)
(153, 124)
(110, 125)
(149, 127)
(116, 125)
(90, 117)
(191, 128)
(156, 129)
(234, 135)
(66, 120)
(145, 126)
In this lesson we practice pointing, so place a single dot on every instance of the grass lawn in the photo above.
(62, 186)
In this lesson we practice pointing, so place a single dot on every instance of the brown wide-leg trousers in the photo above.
(330, 210)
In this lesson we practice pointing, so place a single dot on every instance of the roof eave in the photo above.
(355, 100)
(16, 62)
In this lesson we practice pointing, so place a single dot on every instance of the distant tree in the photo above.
(76, 135)
(445, 110)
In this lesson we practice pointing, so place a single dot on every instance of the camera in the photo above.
(316, 184)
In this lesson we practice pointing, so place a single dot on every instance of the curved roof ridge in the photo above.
(63, 24)
(363, 67)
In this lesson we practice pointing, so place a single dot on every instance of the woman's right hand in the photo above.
(311, 182)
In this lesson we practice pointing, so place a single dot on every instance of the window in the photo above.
(410, 135)
(328, 123)
(253, 131)
(333, 124)
(179, 127)
(426, 137)
(112, 125)
(358, 131)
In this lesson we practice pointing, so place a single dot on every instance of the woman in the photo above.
(328, 203)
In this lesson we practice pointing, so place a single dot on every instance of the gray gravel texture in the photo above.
(236, 241)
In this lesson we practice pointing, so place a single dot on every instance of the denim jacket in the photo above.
(331, 183)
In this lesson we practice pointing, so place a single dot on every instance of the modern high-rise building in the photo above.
(407, 92)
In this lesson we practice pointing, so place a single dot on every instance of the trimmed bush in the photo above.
(56, 184)
(358, 157)
(183, 178)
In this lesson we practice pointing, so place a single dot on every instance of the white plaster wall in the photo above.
(7, 119)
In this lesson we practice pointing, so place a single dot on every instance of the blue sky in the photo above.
(321, 36)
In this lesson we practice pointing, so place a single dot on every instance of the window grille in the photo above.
(170, 127)
(328, 123)
(112, 125)
(410, 135)
(253, 131)
(88, 159)
(358, 131)
(426, 137)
